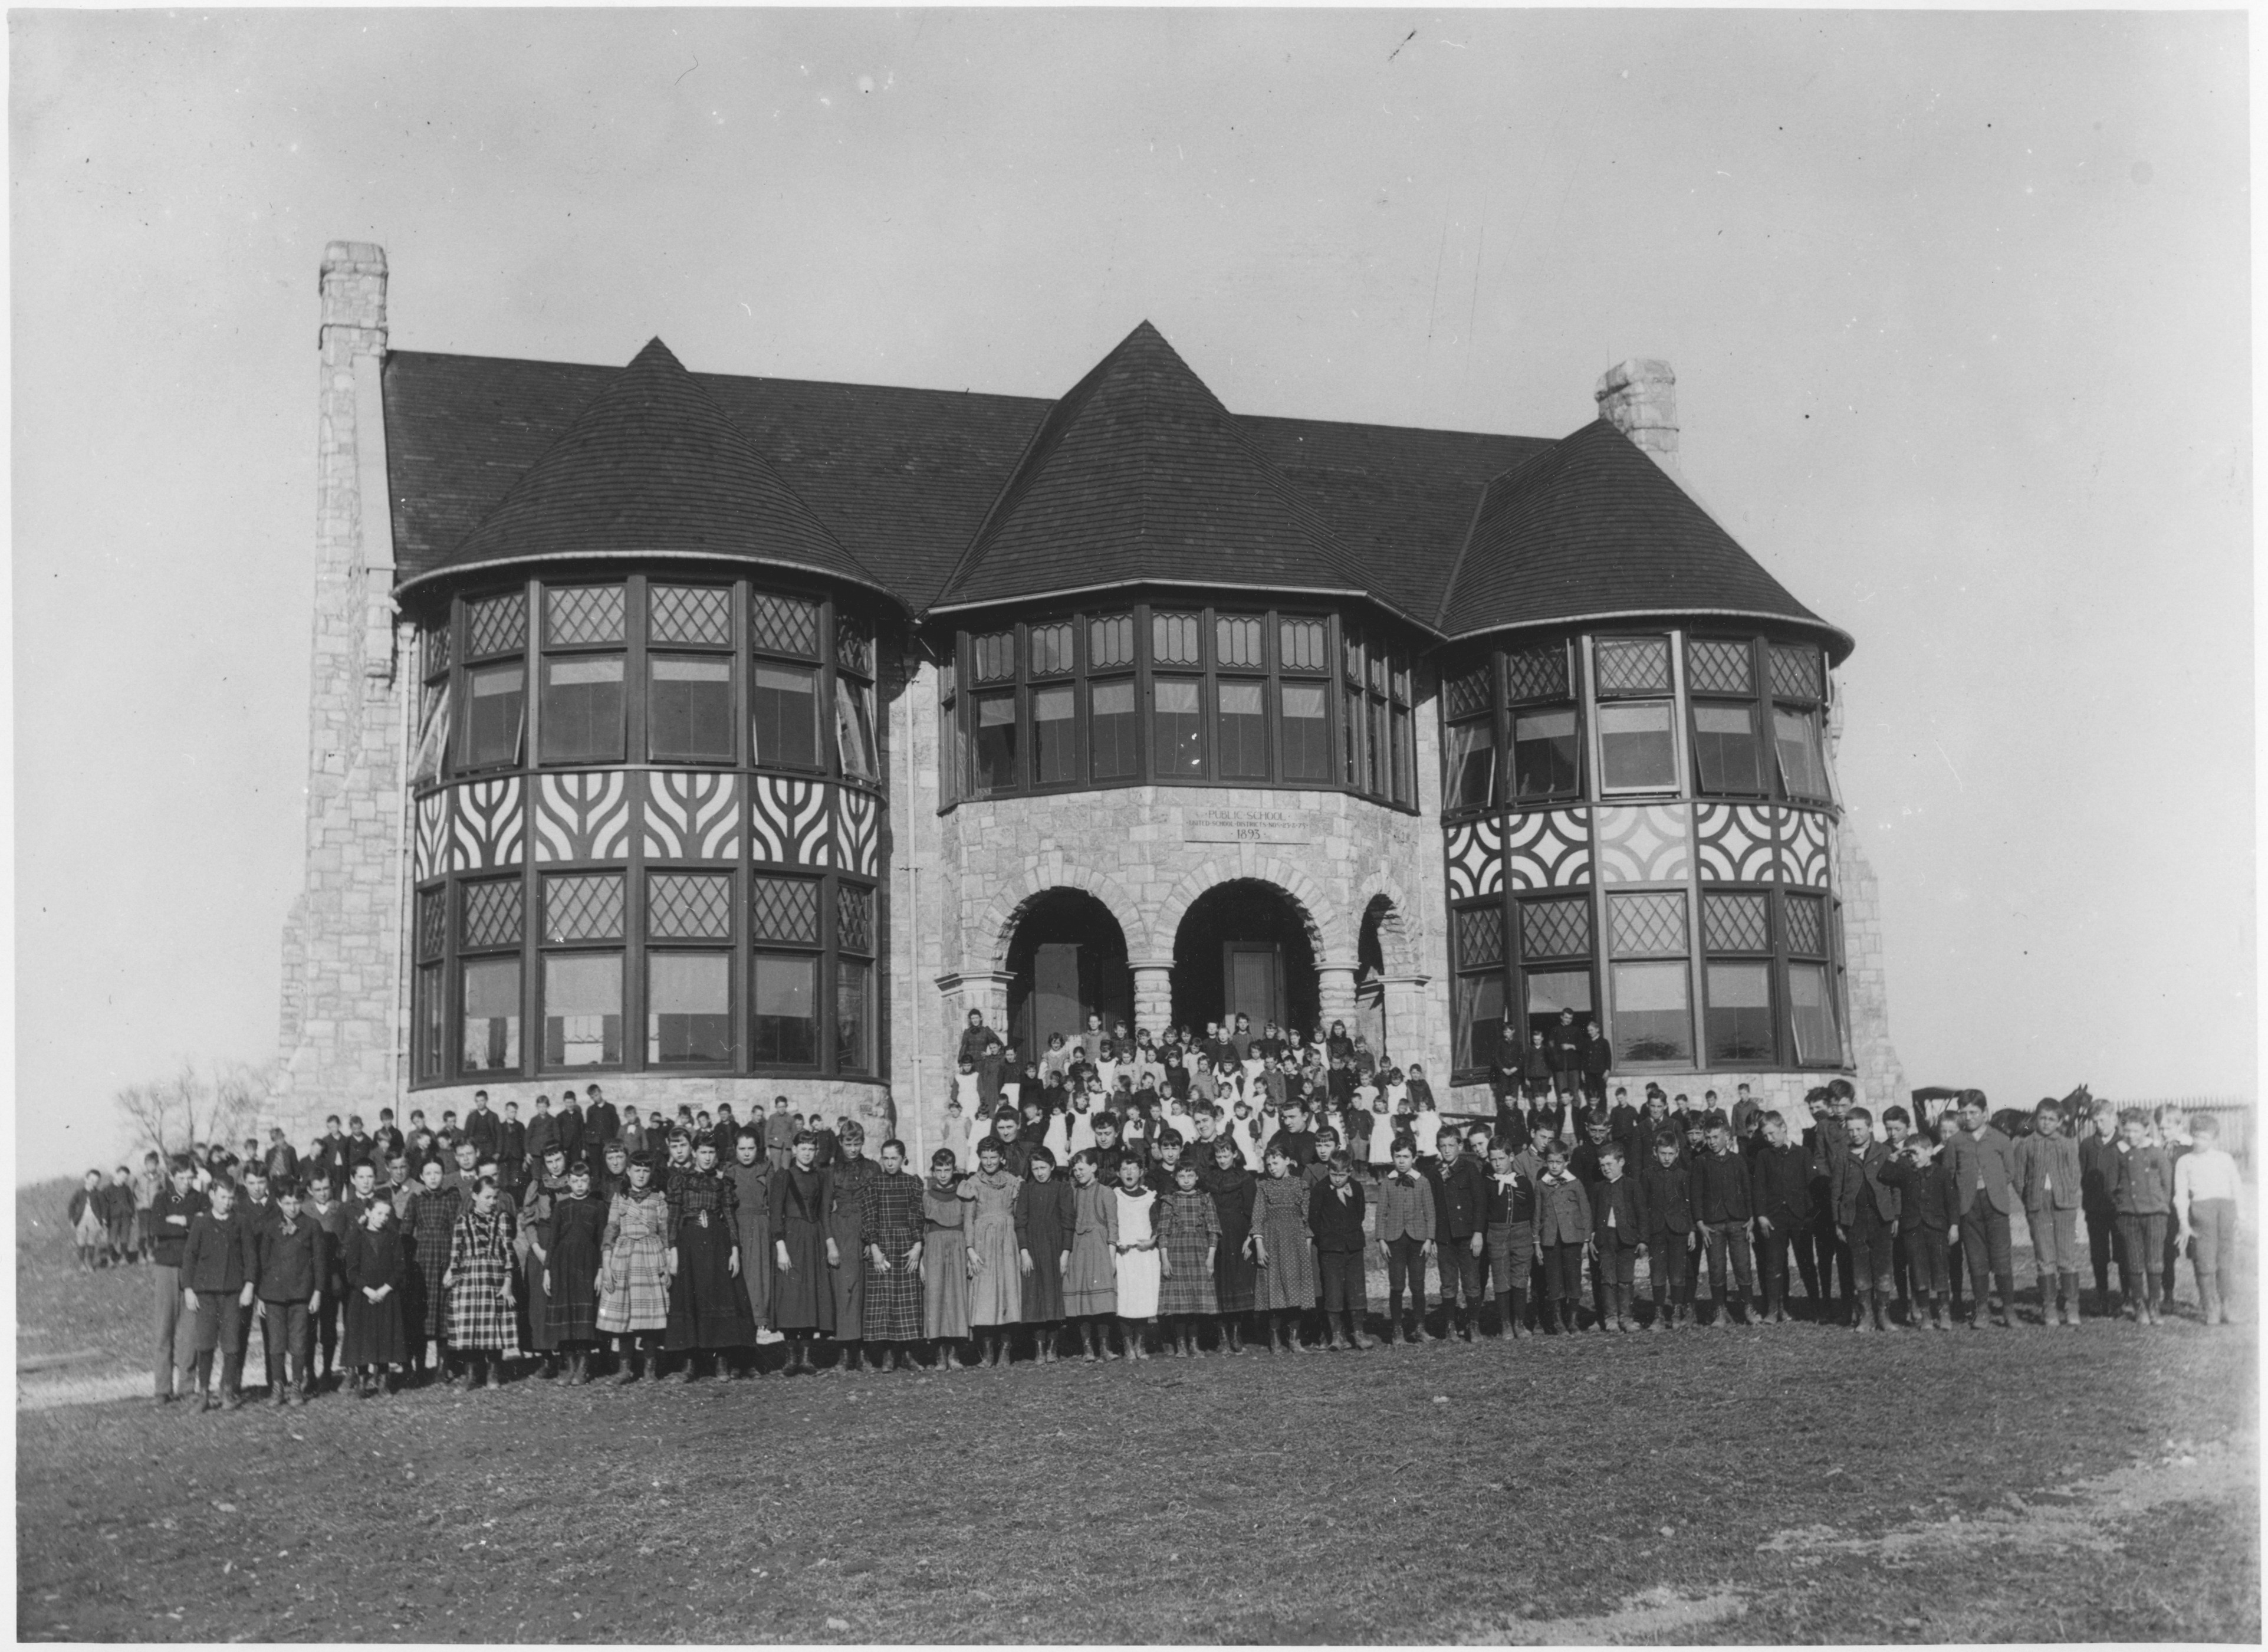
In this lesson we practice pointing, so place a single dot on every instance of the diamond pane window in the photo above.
(1302, 643)
(436, 646)
(784, 909)
(996, 657)
(1736, 923)
(1236, 640)
(1110, 642)
(691, 905)
(1555, 929)
(1537, 674)
(1051, 651)
(854, 644)
(1173, 639)
(1633, 665)
(1643, 924)
(854, 917)
(1714, 667)
(433, 922)
(697, 613)
(1480, 937)
(1806, 925)
(490, 914)
(1795, 673)
(496, 625)
(1467, 695)
(583, 908)
(583, 614)
(783, 624)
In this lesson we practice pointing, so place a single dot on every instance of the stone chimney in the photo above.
(1639, 399)
(342, 1020)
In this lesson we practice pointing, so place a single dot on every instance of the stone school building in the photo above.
(717, 738)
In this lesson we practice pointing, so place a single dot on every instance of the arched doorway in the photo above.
(1066, 959)
(1244, 946)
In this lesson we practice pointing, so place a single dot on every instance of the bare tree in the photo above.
(193, 1109)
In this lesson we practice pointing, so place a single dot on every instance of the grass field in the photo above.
(1800, 1484)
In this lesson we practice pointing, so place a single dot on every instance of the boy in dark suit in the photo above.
(1668, 1232)
(292, 1261)
(1335, 1219)
(1406, 1225)
(1866, 1219)
(1615, 1229)
(1927, 1220)
(1779, 1191)
(216, 1263)
(1721, 1206)
(1460, 1215)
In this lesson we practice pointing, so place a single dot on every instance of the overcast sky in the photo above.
(1958, 306)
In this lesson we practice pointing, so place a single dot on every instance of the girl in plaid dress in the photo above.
(996, 1297)
(1091, 1277)
(708, 1310)
(567, 1260)
(1189, 1228)
(893, 1254)
(1285, 1251)
(634, 1278)
(429, 1226)
(479, 1282)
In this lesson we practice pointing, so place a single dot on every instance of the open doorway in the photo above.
(1243, 945)
(1066, 961)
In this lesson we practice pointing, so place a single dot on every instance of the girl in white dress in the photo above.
(1137, 1248)
(1425, 1125)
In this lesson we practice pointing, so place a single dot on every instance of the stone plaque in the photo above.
(1243, 826)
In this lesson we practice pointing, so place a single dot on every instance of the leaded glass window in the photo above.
(1480, 936)
(1173, 639)
(1537, 674)
(783, 908)
(854, 643)
(698, 905)
(583, 906)
(996, 657)
(783, 624)
(1466, 696)
(1305, 644)
(433, 922)
(1795, 672)
(701, 614)
(1736, 923)
(1110, 642)
(1653, 922)
(1633, 665)
(495, 626)
(576, 614)
(1806, 925)
(1237, 640)
(1051, 650)
(1556, 928)
(490, 913)
(1716, 667)
(854, 917)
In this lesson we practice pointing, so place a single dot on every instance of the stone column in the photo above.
(1406, 1034)
(1335, 992)
(1154, 994)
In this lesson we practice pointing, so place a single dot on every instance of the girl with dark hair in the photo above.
(1091, 1273)
(803, 1300)
(478, 1280)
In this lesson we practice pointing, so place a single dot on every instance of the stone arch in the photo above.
(1326, 926)
(987, 945)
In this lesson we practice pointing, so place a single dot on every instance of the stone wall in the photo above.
(345, 1014)
(978, 864)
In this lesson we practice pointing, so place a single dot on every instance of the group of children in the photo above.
(1173, 1221)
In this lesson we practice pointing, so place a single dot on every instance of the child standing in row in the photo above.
(1189, 1227)
(945, 1263)
(2205, 1191)
(1137, 1259)
(1044, 1222)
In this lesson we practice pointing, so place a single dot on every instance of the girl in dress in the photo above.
(1043, 1232)
(1425, 1129)
(478, 1280)
(803, 1300)
(1189, 1228)
(996, 1297)
(1285, 1251)
(1091, 1274)
(945, 1262)
(429, 1227)
(567, 1254)
(1230, 1186)
(1137, 1259)
(634, 1276)
(535, 1214)
(893, 1257)
(376, 1263)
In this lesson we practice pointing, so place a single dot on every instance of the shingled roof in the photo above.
(1140, 476)
(946, 499)
(652, 467)
(1592, 529)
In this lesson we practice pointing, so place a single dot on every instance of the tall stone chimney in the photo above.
(1639, 399)
(342, 1020)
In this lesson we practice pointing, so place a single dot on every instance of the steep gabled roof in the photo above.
(1591, 529)
(1140, 476)
(652, 467)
